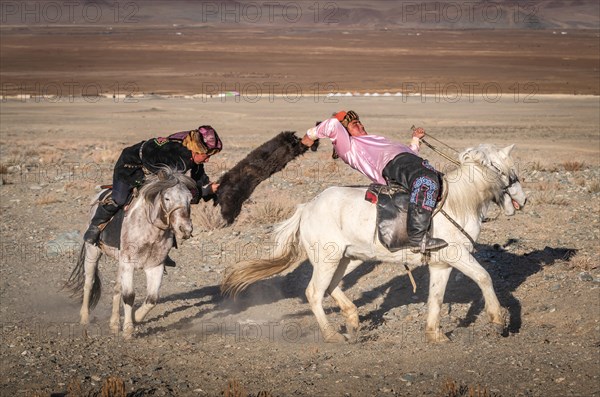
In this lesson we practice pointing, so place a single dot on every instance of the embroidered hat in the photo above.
(346, 117)
(204, 140)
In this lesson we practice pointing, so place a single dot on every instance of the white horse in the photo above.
(160, 212)
(337, 230)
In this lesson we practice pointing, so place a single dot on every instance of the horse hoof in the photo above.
(128, 332)
(499, 328)
(351, 337)
(335, 337)
(436, 337)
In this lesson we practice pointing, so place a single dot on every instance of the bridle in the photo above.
(512, 179)
(167, 224)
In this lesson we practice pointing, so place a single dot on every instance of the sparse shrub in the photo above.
(113, 387)
(53, 157)
(545, 186)
(48, 199)
(269, 212)
(234, 389)
(207, 216)
(583, 262)
(451, 388)
(74, 388)
(536, 166)
(549, 198)
(594, 187)
(573, 165)
(105, 155)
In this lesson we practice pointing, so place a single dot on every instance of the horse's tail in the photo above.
(76, 281)
(286, 253)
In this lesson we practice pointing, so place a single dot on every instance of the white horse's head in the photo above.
(499, 167)
(169, 191)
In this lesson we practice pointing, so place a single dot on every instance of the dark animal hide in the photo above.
(237, 184)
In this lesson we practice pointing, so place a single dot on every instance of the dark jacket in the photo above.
(154, 154)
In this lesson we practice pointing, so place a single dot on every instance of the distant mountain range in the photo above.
(311, 15)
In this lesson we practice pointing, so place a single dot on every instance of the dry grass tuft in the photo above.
(105, 155)
(549, 198)
(46, 199)
(573, 165)
(270, 212)
(207, 216)
(234, 389)
(51, 157)
(113, 387)
(74, 388)
(536, 166)
(451, 388)
(594, 187)
(545, 186)
(583, 262)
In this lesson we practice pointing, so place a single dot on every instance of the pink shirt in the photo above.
(368, 154)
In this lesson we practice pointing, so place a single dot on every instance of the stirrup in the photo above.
(428, 244)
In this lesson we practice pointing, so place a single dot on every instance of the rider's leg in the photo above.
(104, 213)
(421, 179)
(106, 210)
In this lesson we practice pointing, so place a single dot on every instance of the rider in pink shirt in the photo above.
(387, 162)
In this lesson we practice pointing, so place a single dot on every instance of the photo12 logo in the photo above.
(269, 12)
(68, 12)
(471, 91)
(469, 12)
(253, 92)
(56, 91)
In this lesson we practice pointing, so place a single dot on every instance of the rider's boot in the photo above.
(418, 222)
(103, 214)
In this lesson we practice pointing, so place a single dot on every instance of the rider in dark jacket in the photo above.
(186, 151)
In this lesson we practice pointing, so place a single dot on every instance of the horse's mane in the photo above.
(165, 178)
(475, 181)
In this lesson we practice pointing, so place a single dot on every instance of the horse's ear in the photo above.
(508, 149)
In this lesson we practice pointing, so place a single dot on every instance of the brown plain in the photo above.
(141, 59)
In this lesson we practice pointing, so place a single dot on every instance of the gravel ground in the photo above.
(544, 263)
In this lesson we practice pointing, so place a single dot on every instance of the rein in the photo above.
(511, 181)
(445, 191)
(452, 221)
(168, 215)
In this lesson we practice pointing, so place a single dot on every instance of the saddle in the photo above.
(392, 212)
(392, 207)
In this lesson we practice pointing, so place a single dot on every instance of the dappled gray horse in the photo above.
(157, 215)
(337, 231)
